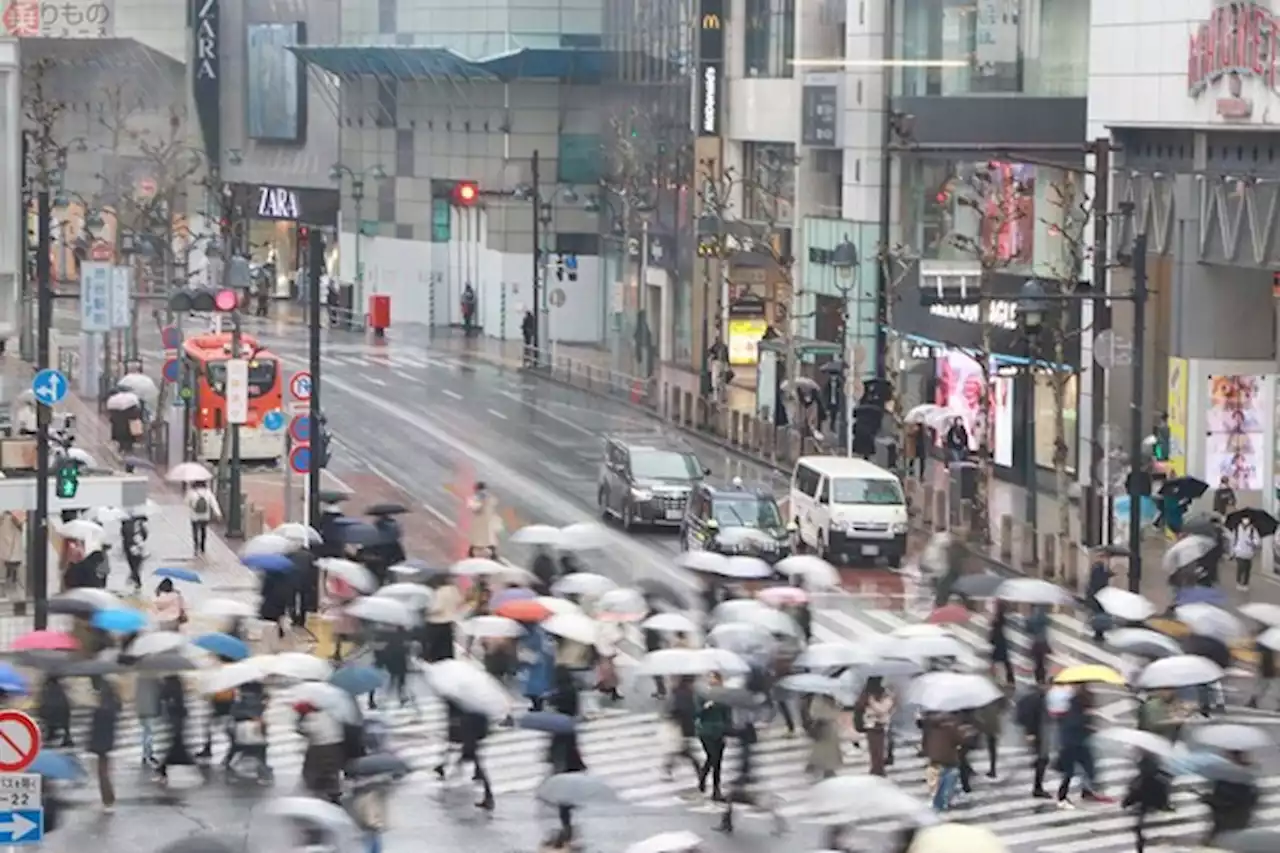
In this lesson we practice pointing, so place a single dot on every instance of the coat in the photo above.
(825, 754)
(482, 532)
(943, 741)
(102, 726)
(537, 653)
(999, 640)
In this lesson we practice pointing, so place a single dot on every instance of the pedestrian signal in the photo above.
(68, 479)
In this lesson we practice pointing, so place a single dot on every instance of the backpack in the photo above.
(201, 505)
(1026, 712)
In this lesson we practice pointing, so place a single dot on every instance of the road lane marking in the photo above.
(373, 380)
(453, 394)
(497, 414)
(405, 376)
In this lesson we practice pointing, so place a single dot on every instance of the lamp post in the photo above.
(844, 260)
(337, 173)
(1032, 307)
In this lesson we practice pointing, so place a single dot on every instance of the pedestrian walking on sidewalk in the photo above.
(203, 508)
(1244, 547)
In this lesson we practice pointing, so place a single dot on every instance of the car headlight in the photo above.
(641, 495)
(899, 529)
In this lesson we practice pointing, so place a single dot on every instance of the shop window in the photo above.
(769, 39)
(768, 188)
(1045, 412)
(441, 220)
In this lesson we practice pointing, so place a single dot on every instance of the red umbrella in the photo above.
(951, 614)
(526, 611)
(46, 641)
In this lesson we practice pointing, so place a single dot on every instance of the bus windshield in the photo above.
(262, 376)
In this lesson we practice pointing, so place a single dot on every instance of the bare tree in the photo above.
(42, 115)
(897, 262)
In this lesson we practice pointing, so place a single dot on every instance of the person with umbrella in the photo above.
(278, 591)
(133, 536)
(1245, 543)
(1099, 579)
(220, 704)
(1074, 750)
(55, 710)
(305, 588)
(712, 726)
(1001, 656)
(326, 750)
(1232, 799)
(875, 706)
(173, 703)
(1037, 627)
(447, 606)
(957, 441)
(483, 530)
(102, 738)
(467, 729)
(170, 607)
(1265, 678)
(537, 666)
(202, 507)
(825, 754)
(682, 712)
(248, 732)
(563, 754)
(1031, 712)
(1224, 498)
(146, 705)
(391, 655)
(1148, 792)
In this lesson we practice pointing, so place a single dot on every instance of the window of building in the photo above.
(579, 159)
(991, 47)
(1044, 411)
(768, 188)
(769, 39)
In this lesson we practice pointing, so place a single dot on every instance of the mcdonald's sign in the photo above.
(711, 21)
(711, 34)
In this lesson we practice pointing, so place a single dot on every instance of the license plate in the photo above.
(674, 515)
(870, 550)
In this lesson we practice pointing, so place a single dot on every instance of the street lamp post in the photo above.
(1032, 307)
(375, 172)
(844, 259)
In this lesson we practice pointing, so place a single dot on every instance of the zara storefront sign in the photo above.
(1239, 41)
(278, 203)
(206, 74)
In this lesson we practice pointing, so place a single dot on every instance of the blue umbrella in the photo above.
(549, 722)
(223, 645)
(119, 621)
(57, 765)
(1201, 595)
(269, 563)
(358, 680)
(11, 681)
(178, 574)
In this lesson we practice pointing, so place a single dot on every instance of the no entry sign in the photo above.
(19, 741)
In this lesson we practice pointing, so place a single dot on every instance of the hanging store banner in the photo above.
(206, 74)
(69, 19)
(710, 68)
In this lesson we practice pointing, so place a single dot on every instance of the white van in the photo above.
(849, 509)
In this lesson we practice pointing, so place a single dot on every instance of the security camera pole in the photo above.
(39, 529)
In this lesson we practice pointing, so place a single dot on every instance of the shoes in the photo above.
(1066, 805)
(1041, 794)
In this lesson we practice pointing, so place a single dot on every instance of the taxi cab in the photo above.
(735, 519)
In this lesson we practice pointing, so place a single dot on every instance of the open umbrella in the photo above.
(705, 562)
(584, 536)
(862, 797)
(977, 585)
(1184, 488)
(268, 543)
(223, 645)
(359, 534)
(231, 676)
(492, 627)
(1143, 642)
(189, 472)
(1127, 739)
(226, 608)
(379, 764)
(925, 647)
(59, 766)
(1179, 671)
(478, 567)
(576, 790)
(296, 665)
(923, 629)
(1208, 647)
(299, 533)
(349, 571)
(99, 598)
(11, 681)
(950, 614)
(92, 668)
(1230, 737)
(470, 687)
(382, 610)
(81, 530)
(783, 596)
(621, 605)
(386, 508)
(1210, 621)
(45, 641)
(123, 401)
(157, 643)
(1262, 612)
(515, 593)
(1263, 522)
(574, 627)
(415, 596)
(140, 384)
(738, 610)
(811, 683)
(169, 663)
(676, 662)
(1124, 605)
(528, 611)
(814, 572)
(1089, 673)
(538, 535)
(1201, 595)
(1186, 552)
(957, 838)
(670, 623)
(743, 638)
(833, 656)
(952, 691)
(662, 591)
(586, 584)
(922, 413)
(1032, 591)
(42, 660)
(319, 814)
(178, 574)
(72, 607)
(1210, 765)
(358, 680)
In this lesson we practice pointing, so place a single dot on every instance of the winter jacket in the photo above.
(146, 697)
(943, 740)
(106, 716)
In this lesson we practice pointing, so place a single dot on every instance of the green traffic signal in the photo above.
(68, 480)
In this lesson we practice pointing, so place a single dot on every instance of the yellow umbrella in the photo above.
(953, 837)
(1090, 674)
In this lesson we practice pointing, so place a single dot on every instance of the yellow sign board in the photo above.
(744, 339)
(1177, 408)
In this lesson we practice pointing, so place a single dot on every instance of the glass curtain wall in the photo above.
(769, 38)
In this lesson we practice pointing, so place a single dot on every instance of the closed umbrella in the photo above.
(814, 572)
(862, 797)
(156, 643)
(588, 584)
(621, 605)
(1179, 671)
(977, 585)
(350, 572)
(833, 656)
(268, 543)
(1125, 739)
(576, 790)
(1032, 591)
(470, 687)
(1186, 552)
(498, 627)
(1230, 737)
(574, 627)
(1210, 621)
(1143, 642)
(952, 691)
(1259, 611)
(538, 534)
(382, 610)
(1124, 605)
(670, 623)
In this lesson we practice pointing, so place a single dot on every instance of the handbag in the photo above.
(135, 428)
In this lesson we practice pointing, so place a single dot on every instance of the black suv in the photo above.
(735, 519)
(646, 484)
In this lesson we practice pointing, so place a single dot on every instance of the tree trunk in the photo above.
(980, 527)
(1060, 379)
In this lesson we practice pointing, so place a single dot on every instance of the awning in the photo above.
(439, 63)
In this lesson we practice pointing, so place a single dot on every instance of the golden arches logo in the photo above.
(711, 21)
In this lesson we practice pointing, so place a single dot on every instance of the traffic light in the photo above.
(68, 478)
(205, 299)
(466, 193)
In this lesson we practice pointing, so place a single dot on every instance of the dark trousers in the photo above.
(1040, 662)
(1244, 570)
(135, 568)
(1041, 766)
(714, 748)
(199, 536)
(685, 751)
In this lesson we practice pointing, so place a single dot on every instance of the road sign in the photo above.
(21, 809)
(1111, 350)
(170, 337)
(121, 287)
(49, 386)
(171, 370)
(300, 428)
(237, 391)
(300, 385)
(101, 251)
(273, 420)
(19, 741)
(95, 297)
(557, 297)
(300, 459)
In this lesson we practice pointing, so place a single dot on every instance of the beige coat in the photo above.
(825, 755)
(485, 524)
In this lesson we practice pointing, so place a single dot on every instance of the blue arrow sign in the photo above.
(22, 826)
(273, 420)
(49, 386)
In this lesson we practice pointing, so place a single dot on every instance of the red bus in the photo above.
(205, 364)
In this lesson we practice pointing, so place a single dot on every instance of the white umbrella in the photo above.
(268, 543)
(670, 623)
(862, 797)
(621, 605)
(587, 584)
(584, 536)
(470, 687)
(1125, 605)
(957, 838)
(492, 626)
(1230, 737)
(296, 665)
(924, 629)
(573, 626)
(811, 682)
(1187, 551)
(1210, 621)
(123, 401)
(1127, 739)
(231, 676)
(328, 698)
(538, 534)
(705, 562)
(952, 691)
(141, 385)
(103, 515)
(816, 572)
(774, 621)
(736, 610)
(226, 608)
(189, 472)
(85, 458)
(350, 571)
(1179, 671)
(1032, 591)
(742, 638)
(157, 643)
(667, 662)
(143, 510)
(300, 533)
(725, 662)
(99, 598)
(1143, 642)
(413, 595)
(1269, 638)
(748, 568)
(381, 609)
(1267, 614)
(680, 841)
(925, 647)
(559, 606)
(81, 530)
(478, 567)
(833, 656)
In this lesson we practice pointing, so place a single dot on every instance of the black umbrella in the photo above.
(359, 534)
(200, 844)
(1184, 488)
(377, 765)
(332, 496)
(386, 509)
(1200, 525)
(44, 661)
(663, 592)
(166, 663)
(978, 585)
(1208, 647)
(90, 668)
(72, 607)
(1264, 522)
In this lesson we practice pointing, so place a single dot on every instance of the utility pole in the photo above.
(39, 529)
(24, 272)
(315, 262)
(235, 524)
(536, 177)
(1136, 491)
(1100, 530)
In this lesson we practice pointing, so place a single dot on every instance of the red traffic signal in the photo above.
(225, 301)
(466, 193)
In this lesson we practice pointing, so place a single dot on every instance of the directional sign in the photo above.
(300, 428)
(171, 370)
(22, 826)
(273, 420)
(49, 386)
(19, 741)
(300, 459)
(300, 385)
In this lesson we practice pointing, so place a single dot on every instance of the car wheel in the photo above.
(602, 498)
(820, 547)
(797, 541)
(628, 516)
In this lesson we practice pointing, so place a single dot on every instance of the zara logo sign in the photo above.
(278, 203)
